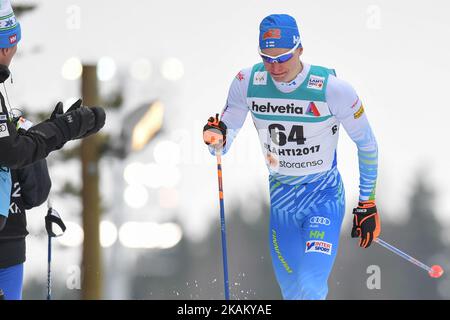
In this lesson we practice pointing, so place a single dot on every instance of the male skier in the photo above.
(297, 109)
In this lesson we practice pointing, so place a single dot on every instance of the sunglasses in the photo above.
(280, 58)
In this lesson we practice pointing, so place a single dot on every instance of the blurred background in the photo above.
(140, 200)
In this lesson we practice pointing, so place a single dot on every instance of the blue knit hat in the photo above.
(278, 31)
(10, 33)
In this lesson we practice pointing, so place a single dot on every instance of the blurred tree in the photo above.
(20, 9)
(419, 236)
(422, 233)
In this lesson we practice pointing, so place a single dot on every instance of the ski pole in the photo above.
(222, 224)
(49, 268)
(434, 271)
(51, 218)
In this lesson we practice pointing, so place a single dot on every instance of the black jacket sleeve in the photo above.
(35, 184)
(20, 148)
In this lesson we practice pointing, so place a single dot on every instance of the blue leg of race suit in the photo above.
(11, 280)
(304, 233)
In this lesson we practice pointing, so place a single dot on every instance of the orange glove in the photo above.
(215, 132)
(366, 223)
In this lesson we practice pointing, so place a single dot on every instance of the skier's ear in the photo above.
(300, 51)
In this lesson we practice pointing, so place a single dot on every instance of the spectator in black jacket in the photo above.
(23, 171)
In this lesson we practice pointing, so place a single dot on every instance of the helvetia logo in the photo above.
(312, 110)
(270, 108)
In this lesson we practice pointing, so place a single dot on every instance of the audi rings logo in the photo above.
(320, 220)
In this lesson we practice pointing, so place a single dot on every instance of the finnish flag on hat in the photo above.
(279, 31)
(9, 26)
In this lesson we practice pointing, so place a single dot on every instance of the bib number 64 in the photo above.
(279, 137)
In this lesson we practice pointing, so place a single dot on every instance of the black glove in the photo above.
(57, 112)
(99, 122)
(215, 131)
(366, 223)
(99, 117)
(77, 123)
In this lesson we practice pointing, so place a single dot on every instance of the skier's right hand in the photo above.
(215, 132)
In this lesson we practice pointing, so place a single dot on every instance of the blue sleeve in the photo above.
(5, 191)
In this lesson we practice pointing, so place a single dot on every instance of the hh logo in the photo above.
(315, 234)
(13, 38)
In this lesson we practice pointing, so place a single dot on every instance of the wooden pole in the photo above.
(91, 260)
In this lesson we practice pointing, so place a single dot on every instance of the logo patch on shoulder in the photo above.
(240, 76)
(260, 78)
(315, 82)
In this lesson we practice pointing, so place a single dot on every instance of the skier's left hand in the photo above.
(366, 223)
